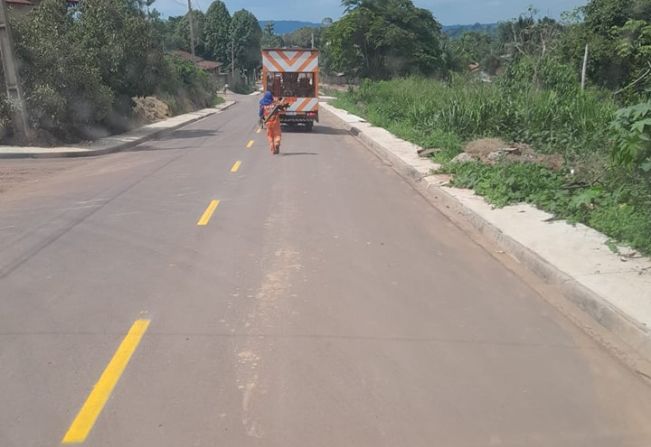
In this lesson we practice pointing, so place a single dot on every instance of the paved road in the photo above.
(323, 303)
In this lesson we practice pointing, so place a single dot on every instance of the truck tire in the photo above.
(309, 126)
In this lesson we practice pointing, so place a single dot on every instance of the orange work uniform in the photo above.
(274, 134)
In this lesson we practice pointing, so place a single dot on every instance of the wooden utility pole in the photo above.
(584, 71)
(191, 23)
(233, 59)
(14, 92)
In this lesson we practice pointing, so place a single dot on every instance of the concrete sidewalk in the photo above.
(613, 291)
(114, 143)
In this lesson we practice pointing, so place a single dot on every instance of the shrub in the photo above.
(632, 133)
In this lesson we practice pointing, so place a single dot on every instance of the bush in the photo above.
(553, 116)
(617, 207)
(242, 89)
(552, 121)
(632, 132)
(185, 86)
(81, 67)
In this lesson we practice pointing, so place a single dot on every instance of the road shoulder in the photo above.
(114, 143)
(611, 292)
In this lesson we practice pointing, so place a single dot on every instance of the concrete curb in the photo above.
(623, 334)
(114, 143)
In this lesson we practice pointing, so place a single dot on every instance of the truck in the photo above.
(293, 74)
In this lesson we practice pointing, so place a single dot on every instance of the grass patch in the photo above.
(619, 210)
(444, 115)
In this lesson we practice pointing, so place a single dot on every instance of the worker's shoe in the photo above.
(277, 149)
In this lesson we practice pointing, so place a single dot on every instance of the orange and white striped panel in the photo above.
(304, 105)
(292, 61)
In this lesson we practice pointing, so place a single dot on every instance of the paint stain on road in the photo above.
(269, 314)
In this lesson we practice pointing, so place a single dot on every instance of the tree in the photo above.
(473, 47)
(63, 88)
(116, 37)
(166, 32)
(302, 38)
(269, 37)
(384, 38)
(182, 34)
(600, 30)
(246, 36)
(217, 32)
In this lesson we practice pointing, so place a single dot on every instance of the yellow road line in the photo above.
(236, 166)
(250, 144)
(205, 218)
(83, 423)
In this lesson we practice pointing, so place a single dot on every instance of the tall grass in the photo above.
(424, 110)
(551, 115)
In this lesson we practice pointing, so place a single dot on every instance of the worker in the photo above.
(270, 116)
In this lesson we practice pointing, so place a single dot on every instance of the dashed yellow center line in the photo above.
(205, 218)
(250, 144)
(236, 166)
(90, 411)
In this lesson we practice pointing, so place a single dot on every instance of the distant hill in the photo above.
(288, 26)
(455, 31)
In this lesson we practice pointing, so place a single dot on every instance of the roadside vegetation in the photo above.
(590, 149)
(105, 66)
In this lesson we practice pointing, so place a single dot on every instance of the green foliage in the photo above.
(181, 38)
(552, 115)
(518, 111)
(302, 38)
(384, 38)
(474, 47)
(116, 38)
(246, 35)
(632, 134)
(615, 32)
(456, 31)
(217, 32)
(619, 208)
(81, 66)
(186, 87)
(269, 37)
(64, 91)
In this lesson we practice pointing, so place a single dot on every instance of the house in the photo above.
(213, 67)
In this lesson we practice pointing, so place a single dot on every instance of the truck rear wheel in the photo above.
(309, 126)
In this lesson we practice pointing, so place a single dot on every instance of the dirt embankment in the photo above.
(493, 150)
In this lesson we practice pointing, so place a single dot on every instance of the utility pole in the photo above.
(191, 22)
(14, 92)
(233, 59)
(312, 39)
(584, 72)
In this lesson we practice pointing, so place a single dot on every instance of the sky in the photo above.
(448, 12)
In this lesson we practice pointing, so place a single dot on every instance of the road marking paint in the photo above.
(250, 144)
(258, 130)
(205, 218)
(236, 166)
(90, 411)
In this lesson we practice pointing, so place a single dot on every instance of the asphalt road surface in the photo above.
(170, 296)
